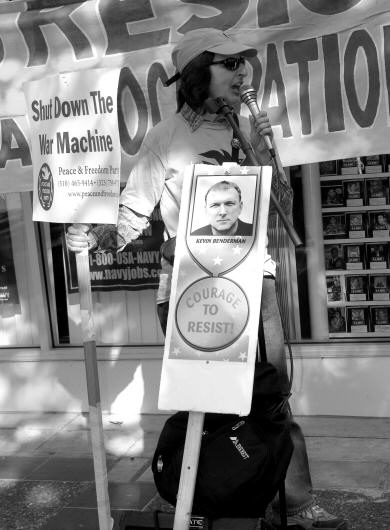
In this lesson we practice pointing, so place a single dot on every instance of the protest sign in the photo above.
(211, 339)
(76, 156)
(321, 73)
(75, 146)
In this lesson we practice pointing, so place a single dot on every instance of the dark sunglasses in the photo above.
(231, 63)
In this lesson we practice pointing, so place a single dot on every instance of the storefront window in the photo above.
(19, 319)
(124, 287)
(342, 211)
(336, 287)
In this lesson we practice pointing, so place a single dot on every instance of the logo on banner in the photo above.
(45, 187)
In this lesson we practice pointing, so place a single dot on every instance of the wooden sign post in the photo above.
(214, 309)
(95, 411)
(189, 470)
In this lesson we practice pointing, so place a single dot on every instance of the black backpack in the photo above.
(242, 461)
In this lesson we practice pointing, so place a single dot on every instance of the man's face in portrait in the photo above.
(223, 207)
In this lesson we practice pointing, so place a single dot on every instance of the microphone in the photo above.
(249, 97)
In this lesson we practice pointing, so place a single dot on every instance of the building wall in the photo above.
(340, 381)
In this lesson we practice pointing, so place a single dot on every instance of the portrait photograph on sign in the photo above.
(223, 207)
(221, 225)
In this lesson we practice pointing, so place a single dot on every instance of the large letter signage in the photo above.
(321, 73)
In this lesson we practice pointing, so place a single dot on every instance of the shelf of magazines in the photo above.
(358, 303)
(356, 232)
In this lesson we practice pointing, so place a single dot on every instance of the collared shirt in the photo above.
(195, 119)
(176, 142)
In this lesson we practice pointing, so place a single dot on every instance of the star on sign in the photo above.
(242, 356)
(217, 260)
(237, 250)
(182, 272)
(176, 351)
(244, 170)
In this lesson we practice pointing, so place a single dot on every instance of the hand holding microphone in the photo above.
(260, 120)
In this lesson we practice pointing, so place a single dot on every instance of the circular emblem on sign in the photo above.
(212, 313)
(45, 187)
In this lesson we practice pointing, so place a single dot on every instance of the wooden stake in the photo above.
(92, 375)
(189, 470)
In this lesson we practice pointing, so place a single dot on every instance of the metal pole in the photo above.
(315, 251)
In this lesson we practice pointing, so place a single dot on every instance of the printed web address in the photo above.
(100, 193)
(130, 273)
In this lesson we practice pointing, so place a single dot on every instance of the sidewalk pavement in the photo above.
(47, 475)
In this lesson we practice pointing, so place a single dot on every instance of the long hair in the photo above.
(195, 81)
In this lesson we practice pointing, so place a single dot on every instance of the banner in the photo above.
(75, 146)
(322, 71)
(214, 307)
(137, 267)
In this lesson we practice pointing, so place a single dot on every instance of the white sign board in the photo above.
(75, 146)
(211, 340)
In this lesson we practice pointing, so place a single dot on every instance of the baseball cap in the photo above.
(197, 41)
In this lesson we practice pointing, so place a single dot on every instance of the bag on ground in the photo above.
(242, 461)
